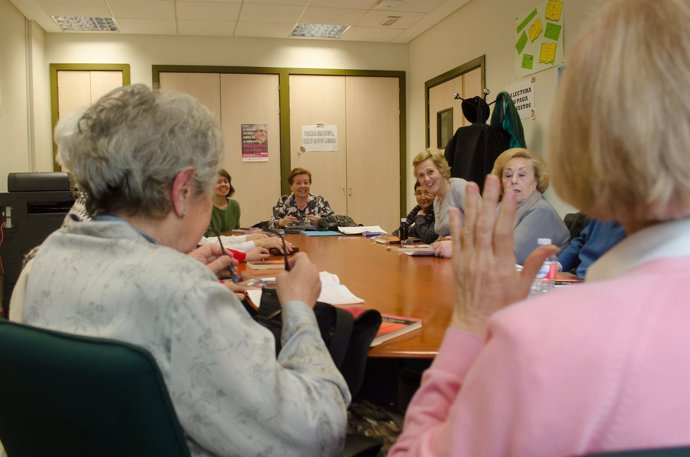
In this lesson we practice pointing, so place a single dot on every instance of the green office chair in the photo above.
(64, 394)
(69, 395)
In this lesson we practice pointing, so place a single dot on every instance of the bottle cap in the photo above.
(403, 219)
(543, 241)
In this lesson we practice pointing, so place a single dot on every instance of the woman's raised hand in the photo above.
(484, 257)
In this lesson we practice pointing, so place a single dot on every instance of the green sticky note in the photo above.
(527, 61)
(521, 42)
(553, 31)
(526, 21)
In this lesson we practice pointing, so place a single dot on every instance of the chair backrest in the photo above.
(683, 451)
(62, 394)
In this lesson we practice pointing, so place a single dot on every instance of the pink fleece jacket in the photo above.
(592, 367)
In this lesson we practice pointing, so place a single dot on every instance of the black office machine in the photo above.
(34, 206)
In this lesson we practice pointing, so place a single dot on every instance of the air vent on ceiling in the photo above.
(389, 20)
(85, 24)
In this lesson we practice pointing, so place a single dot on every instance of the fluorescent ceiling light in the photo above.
(85, 24)
(319, 30)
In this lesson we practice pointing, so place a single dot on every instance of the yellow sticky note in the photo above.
(547, 53)
(554, 8)
(535, 30)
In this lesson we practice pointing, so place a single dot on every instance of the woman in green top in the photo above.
(225, 215)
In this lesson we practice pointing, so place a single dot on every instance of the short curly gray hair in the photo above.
(126, 149)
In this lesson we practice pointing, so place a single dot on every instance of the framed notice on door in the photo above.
(254, 143)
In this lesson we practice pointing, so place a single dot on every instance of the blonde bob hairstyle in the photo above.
(541, 174)
(621, 132)
(436, 157)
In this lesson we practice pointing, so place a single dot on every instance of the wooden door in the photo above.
(241, 99)
(203, 86)
(252, 99)
(320, 100)
(79, 89)
(373, 150)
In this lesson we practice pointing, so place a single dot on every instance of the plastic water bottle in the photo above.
(404, 231)
(545, 280)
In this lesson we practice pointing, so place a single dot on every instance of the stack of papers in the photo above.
(362, 229)
(331, 291)
(418, 250)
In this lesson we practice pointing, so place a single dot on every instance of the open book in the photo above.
(391, 326)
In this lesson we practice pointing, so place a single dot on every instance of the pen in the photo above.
(234, 275)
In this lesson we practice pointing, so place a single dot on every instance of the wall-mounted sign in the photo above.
(319, 137)
(254, 143)
(522, 94)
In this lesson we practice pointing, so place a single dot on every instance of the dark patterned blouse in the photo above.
(287, 206)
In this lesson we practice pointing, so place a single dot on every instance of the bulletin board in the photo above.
(539, 38)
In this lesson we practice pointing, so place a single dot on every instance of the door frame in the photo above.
(479, 62)
(55, 109)
(284, 87)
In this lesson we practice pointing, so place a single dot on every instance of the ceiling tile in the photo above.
(207, 11)
(374, 18)
(271, 13)
(147, 26)
(355, 4)
(259, 29)
(318, 15)
(75, 8)
(206, 28)
(370, 34)
(143, 9)
(278, 2)
(415, 6)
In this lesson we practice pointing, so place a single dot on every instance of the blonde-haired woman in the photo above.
(602, 366)
(524, 174)
(431, 170)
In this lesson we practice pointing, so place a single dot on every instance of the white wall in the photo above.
(482, 27)
(486, 27)
(14, 132)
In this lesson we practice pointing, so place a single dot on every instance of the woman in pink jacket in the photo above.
(605, 365)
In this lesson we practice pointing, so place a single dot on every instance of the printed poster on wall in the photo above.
(254, 143)
(319, 137)
(539, 38)
(522, 94)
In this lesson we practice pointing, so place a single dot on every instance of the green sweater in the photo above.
(224, 220)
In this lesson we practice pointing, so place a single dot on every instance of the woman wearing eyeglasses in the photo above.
(148, 161)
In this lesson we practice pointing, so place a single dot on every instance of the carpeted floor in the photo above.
(367, 418)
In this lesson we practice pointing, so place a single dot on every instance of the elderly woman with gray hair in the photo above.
(524, 174)
(147, 161)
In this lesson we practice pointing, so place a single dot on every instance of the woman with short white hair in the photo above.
(605, 365)
(147, 161)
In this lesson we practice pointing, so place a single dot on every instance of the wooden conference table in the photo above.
(393, 283)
